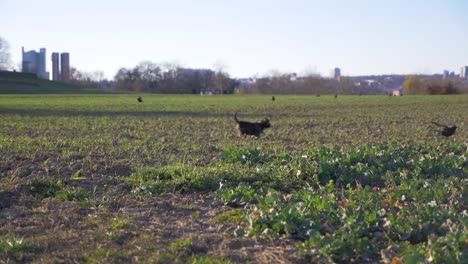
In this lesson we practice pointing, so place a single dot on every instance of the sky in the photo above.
(245, 38)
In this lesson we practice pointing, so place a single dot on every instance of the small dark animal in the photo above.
(336, 95)
(140, 100)
(273, 98)
(447, 131)
(254, 129)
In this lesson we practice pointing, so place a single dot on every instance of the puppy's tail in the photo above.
(438, 124)
(235, 118)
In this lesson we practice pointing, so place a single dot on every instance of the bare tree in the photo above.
(221, 78)
(5, 62)
(314, 84)
(222, 82)
(86, 79)
(171, 78)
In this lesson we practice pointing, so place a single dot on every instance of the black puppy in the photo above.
(447, 131)
(254, 129)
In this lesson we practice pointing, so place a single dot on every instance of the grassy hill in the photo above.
(28, 83)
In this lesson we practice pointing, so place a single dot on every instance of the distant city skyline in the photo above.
(245, 38)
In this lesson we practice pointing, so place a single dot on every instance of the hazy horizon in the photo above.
(249, 38)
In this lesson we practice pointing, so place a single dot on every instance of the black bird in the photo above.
(336, 95)
(447, 131)
(139, 99)
(273, 98)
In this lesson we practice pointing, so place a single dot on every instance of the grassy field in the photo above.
(103, 178)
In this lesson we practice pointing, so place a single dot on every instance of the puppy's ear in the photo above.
(265, 121)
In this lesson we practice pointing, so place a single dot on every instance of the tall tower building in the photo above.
(29, 61)
(445, 74)
(464, 72)
(42, 64)
(335, 73)
(55, 67)
(35, 62)
(65, 66)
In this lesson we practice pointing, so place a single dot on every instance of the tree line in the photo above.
(279, 83)
(151, 77)
(431, 86)
(167, 78)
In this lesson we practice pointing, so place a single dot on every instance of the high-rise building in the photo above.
(445, 74)
(55, 67)
(65, 66)
(42, 64)
(335, 73)
(35, 62)
(29, 61)
(464, 72)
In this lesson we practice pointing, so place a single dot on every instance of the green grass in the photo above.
(352, 179)
(18, 83)
(118, 223)
(354, 221)
(14, 245)
(51, 189)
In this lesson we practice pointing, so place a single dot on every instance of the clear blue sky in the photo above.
(248, 37)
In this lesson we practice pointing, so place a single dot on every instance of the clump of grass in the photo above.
(207, 260)
(45, 189)
(12, 244)
(176, 178)
(180, 245)
(119, 223)
(55, 189)
(72, 194)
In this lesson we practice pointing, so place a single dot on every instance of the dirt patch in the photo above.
(116, 225)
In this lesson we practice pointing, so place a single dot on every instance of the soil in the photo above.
(116, 224)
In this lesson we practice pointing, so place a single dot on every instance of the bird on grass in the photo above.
(447, 131)
(273, 98)
(140, 100)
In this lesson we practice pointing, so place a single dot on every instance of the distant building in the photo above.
(445, 74)
(335, 73)
(60, 67)
(35, 62)
(396, 92)
(55, 67)
(464, 72)
(293, 77)
(65, 67)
